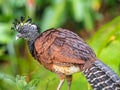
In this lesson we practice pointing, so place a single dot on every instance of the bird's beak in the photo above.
(18, 36)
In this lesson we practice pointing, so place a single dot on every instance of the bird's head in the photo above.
(25, 29)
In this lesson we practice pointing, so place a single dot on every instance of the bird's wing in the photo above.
(63, 46)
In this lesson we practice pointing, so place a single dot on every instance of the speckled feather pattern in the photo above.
(101, 77)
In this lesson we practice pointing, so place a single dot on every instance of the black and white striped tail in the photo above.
(101, 77)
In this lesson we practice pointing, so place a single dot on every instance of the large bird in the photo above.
(65, 53)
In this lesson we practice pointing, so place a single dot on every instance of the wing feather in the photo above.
(62, 46)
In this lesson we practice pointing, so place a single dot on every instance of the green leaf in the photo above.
(7, 78)
(23, 85)
(111, 55)
(106, 44)
(104, 34)
(21, 82)
(32, 84)
(53, 16)
(5, 33)
(78, 9)
(87, 19)
(82, 12)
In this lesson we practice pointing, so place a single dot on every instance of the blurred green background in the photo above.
(96, 21)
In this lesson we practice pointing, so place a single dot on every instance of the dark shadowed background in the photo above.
(96, 21)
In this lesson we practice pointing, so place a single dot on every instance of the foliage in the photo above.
(19, 82)
(78, 10)
(78, 79)
(108, 42)
(19, 71)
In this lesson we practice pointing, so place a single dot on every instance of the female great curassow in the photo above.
(64, 52)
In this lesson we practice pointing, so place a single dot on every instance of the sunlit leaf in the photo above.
(5, 33)
(78, 9)
(88, 21)
(104, 34)
(107, 44)
(53, 16)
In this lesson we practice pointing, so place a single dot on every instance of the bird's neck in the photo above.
(31, 43)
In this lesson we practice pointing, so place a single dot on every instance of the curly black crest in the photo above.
(19, 23)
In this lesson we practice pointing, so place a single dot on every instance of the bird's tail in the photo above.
(101, 77)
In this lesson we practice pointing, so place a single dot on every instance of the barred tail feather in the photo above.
(101, 77)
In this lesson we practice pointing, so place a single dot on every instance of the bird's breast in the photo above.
(67, 70)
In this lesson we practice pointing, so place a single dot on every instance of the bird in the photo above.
(63, 52)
